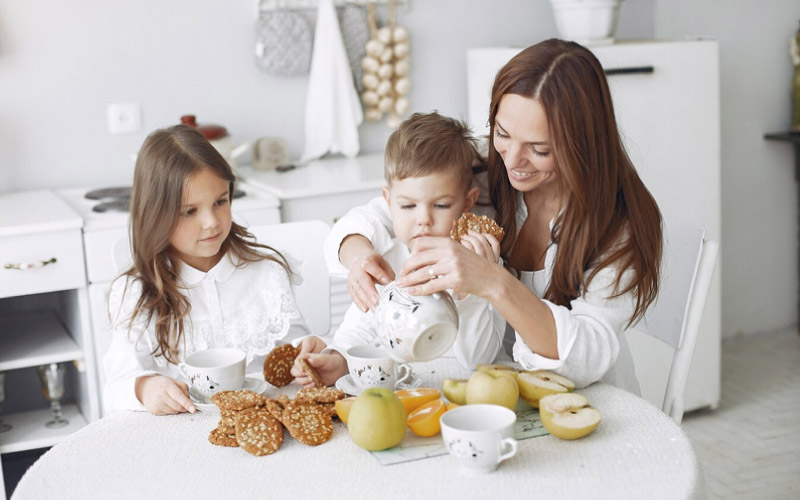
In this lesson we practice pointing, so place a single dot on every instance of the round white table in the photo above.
(636, 452)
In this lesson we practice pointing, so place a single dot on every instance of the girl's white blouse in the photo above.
(590, 336)
(250, 307)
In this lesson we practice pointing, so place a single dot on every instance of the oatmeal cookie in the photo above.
(258, 432)
(478, 223)
(237, 400)
(222, 438)
(311, 372)
(318, 395)
(307, 423)
(278, 365)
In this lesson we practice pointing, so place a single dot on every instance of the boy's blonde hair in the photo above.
(428, 143)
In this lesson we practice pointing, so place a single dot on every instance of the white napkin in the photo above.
(333, 109)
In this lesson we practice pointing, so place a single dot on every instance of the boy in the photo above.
(428, 173)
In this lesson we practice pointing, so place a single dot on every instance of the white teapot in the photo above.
(416, 327)
(218, 136)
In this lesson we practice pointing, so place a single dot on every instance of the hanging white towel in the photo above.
(333, 110)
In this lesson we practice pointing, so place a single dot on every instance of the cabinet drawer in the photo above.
(63, 250)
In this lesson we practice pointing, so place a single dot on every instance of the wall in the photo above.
(62, 63)
(759, 194)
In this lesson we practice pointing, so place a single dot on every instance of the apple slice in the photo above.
(455, 390)
(534, 385)
(568, 415)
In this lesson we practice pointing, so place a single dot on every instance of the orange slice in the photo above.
(424, 421)
(342, 407)
(414, 398)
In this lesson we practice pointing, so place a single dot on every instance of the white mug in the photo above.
(370, 366)
(415, 327)
(214, 370)
(479, 437)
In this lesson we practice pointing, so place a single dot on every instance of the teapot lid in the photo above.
(210, 132)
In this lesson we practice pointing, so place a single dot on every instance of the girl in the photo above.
(582, 262)
(197, 281)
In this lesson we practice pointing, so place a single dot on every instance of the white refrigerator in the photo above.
(666, 99)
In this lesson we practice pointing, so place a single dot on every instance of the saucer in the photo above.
(346, 385)
(204, 404)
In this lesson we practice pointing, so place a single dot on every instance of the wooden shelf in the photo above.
(29, 433)
(33, 339)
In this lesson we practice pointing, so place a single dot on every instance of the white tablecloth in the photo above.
(636, 452)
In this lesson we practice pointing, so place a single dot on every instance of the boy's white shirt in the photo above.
(251, 308)
(590, 337)
(480, 327)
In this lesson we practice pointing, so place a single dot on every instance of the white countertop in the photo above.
(25, 212)
(320, 177)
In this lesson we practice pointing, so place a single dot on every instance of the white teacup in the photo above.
(215, 370)
(416, 327)
(370, 366)
(479, 437)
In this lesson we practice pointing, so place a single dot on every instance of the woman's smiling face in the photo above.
(522, 138)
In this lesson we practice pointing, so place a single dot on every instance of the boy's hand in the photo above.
(482, 244)
(365, 273)
(162, 395)
(329, 367)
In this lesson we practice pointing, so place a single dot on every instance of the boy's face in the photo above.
(427, 206)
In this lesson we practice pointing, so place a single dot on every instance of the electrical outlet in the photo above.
(124, 118)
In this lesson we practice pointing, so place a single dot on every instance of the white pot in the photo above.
(586, 21)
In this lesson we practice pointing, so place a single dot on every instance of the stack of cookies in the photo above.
(255, 423)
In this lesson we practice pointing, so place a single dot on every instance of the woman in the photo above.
(581, 262)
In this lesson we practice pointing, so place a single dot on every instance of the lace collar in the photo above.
(221, 272)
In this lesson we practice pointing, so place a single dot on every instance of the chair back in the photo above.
(674, 318)
(301, 242)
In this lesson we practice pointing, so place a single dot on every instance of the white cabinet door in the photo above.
(669, 120)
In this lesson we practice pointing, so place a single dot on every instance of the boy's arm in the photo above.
(480, 332)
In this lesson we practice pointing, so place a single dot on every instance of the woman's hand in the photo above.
(439, 263)
(482, 244)
(329, 367)
(162, 395)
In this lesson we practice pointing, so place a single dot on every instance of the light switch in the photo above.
(124, 118)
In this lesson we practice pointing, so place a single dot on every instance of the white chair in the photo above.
(687, 269)
(301, 243)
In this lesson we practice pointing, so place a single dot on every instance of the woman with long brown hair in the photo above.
(198, 279)
(582, 261)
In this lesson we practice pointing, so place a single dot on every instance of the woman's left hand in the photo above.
(439, 263)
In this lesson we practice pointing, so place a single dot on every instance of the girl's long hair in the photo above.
(610, 219)
(166, 160)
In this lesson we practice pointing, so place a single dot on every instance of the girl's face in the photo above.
(522, 139)
(204, 221)
(427, 206)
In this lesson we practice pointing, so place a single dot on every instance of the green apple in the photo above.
(455, 390)
(377, 419)
(486, 368)
(568, 415)
(496, 387)
(534, 385)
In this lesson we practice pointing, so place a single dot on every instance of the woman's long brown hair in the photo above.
(610, 219)
(166, 160)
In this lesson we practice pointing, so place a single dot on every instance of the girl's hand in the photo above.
(311, 344)
(365, 273)
(329, 367)
(482, 244)
(439, 263)
(162, 395)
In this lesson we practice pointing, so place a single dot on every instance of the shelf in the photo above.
(33, 339)
(29, 433)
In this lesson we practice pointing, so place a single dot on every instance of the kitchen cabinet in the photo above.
(43, 319)
(324, 190)
(666, 99)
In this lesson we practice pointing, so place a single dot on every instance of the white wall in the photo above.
(62, 63)
(759, 194)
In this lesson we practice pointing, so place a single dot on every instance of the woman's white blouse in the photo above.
(251, 307)
(590, 336)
